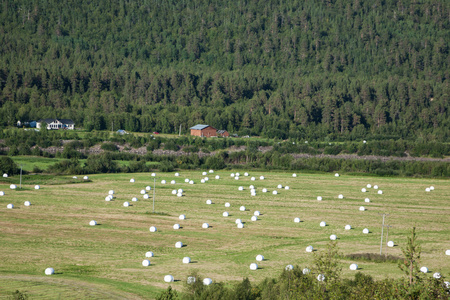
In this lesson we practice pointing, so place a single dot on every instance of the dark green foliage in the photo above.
(101, 163)
(410, 263)
(8, 166)
(168, 294)
(109, 147)
(18, 295)
(373, 257)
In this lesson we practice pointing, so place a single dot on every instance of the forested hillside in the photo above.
(301, 69)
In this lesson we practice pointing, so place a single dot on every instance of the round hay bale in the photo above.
(431, 188)
(321, 277)
(252, 187)
(333, 237)
(163, 181)
(75, 177)
(225, 214)
(207, 281)
(206, 178)
(202, 181)
(237, 221)
(246, 174)
(367, 200)
(309, 249)
(205, 225)
(217, 177)
(365, 231)
(2, 193)
(319, 198)
(294, 175)
(259, 257)
(27, 203)
(179, 195)
(93, 223)
(242, 208)
(437, 275)
(186, 180)
(146, 196)
(340, 196)
(253, 266)
(264, 190)
(145, 263)
(191, 280)
(237, 174)
(177, 174)
(232, 175)
(363, 190)
(10, 206)
(186, 260)
(204, 173)
(5, 175)
(280, 186)
(132, 180)
(13, 186)
(286, 187)
(353, 267)
(261, 177)
(348, 227)
(236, 177)
(275, 192)
(149, 254)
(369, 186)
(380, 192)
(208, 202)
(427, 189)
(241, 188)
(447, 252)
(323, 224)
(108, 198)
(126, 204)
(178, 245)
(375, 187)
(191, 181)
(364, 141)
(111, 192)
(174, 192)
(297, 220)
(37, 187)
(254, 218)
(49, 271)
(362, 208)
(176, 226)
(182, 217)
(168, 278)
(153, 229)
(256, 213)
(85, 177)
(227, 204)
(306, 271)
(424, 270)
(390, 244)
(211, 171)
(173, 182)
(240, 225)
(289, 267)
(153, 174)
(336, 175)
(180, 191)
(143, 192)
(253, 179)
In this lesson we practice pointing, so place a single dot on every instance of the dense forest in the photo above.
(333, 69)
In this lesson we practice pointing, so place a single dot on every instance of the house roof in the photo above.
(67, 121)
(64, 121)
(221, 131)
(199, 127)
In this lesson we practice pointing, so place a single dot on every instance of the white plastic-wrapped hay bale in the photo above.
(146, 196)
(437, 275)
(191, 181)
(380, 192)
(254, 218)
(364, 141)
(176, 226)
(261, 177)
(241, 188)
(447, 252)
(253, 266)
(206, 179)
(237, 221)
(390, 244)
(211, 171)
(174, 192)
(132, 180)
(363, 190)
(427, 189)
(323, 224)
(207, 281)
(225, 214)
(202, 181)
(179, 195)
(296, 220)
(153, 174)
(353, 267)
(186, 260)
(236, 177)
(367, 200)
(259, 257)
(37, 187)
(93, 223)
(333, 237)
(369, 186)
(143, 192)
(182, 217)
(253, 179)
(232, 175)
(289, 267)
(264, 190)
(2, 193)
(252, 187)
(205, 225)
(75, 177)
(49, 271)
(362, 208)
(163, 181)
(242, 208)
(173, 182)
(375, 187)
(153, 229)
(280, 186)
(253, 193)
(85, 177)
(256, 213)
(275, 192)
(336, 175)
(321, 277)
(340, 196)
(209, 202)
(126, 204)
(178, 245)
(348, 227)
(5, 175)
(186, 180)
(111, 192)
(180, 191)
(294, 175)
(168, 278)
(191, 280)
(145, 263)
(149, 254)
(204, 173)
(309, 249)
(286, 187)
(27, 203)
(306, 271)
(237, 174)
(13, 186)
(424, 270)
(431, 188)
(227, 204)
(246, 174)
(217, 177)
(365, 231)
(108, 198)
(10, 206)
(177, 174)
(240, 225)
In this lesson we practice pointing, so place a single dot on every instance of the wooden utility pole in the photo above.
(382, 228)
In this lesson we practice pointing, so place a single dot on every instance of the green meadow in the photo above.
(105, 261)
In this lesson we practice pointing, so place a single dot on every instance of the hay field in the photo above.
(104, 261)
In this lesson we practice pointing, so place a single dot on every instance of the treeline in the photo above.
(298, 69)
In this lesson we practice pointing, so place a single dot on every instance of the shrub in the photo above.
(109, 147)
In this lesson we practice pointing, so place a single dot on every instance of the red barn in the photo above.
(223, 133)
(203, 130)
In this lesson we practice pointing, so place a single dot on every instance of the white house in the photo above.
(56, 124)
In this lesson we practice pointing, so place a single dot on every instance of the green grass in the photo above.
(105, 261)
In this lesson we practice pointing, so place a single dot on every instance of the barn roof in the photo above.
(199, 127)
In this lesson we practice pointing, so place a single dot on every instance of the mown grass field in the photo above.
(104, 261)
